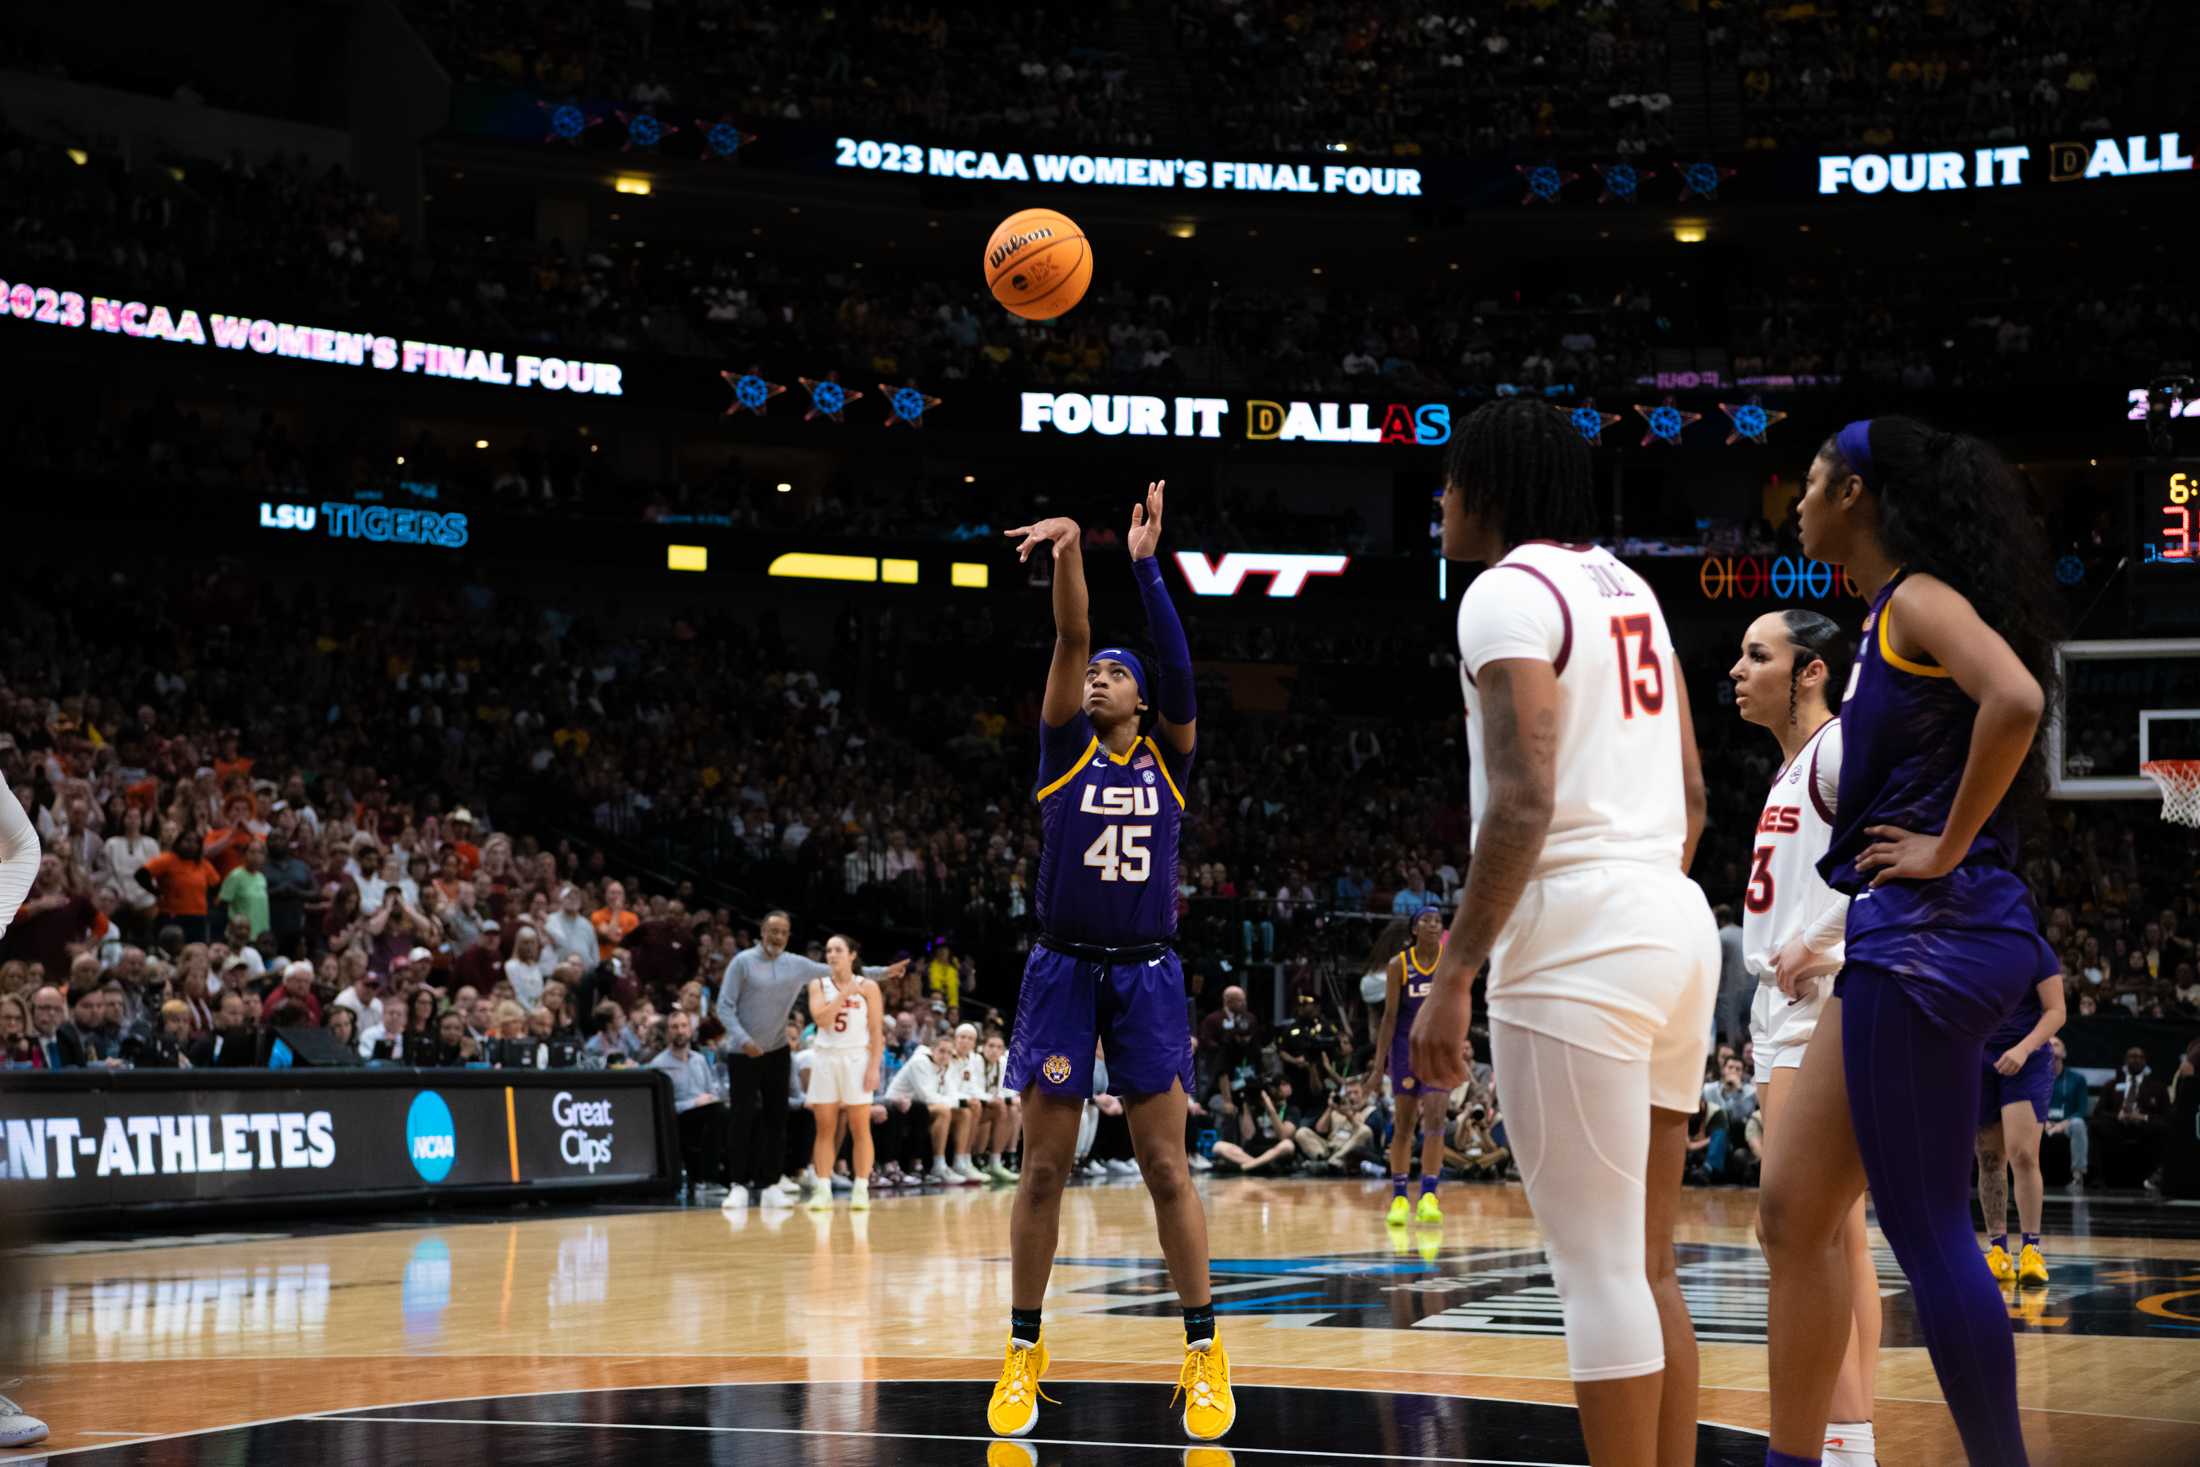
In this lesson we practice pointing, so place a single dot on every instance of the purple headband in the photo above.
(1855, 445)
(1129, 659)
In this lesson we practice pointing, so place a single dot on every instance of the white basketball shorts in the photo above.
(1620, 959)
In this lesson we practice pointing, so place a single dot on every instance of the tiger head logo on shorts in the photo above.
(1056, 1069)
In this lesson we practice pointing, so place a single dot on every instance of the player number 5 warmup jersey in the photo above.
(851, 1027)
(1618, 793)
(1786, 896)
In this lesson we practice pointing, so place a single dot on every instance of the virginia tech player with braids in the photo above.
(1588, 799)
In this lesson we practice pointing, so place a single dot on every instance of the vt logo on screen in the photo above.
(431, 1140)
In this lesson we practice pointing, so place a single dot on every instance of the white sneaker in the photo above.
(1095, 1168)
(1200, 1163)
(859, 1197)
(1123, 1168)
(737, 1200)
(784, 1193)
(940, 1173)
(967, 1170)
(841, 1183)
(18, 1428)
(820, 1199)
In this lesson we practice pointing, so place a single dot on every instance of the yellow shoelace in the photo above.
(1022, 1361)
(1201, 1367)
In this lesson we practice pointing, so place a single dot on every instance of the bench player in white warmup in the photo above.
(1788, 680)
(1587, 799)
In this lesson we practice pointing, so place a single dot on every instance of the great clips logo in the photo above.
(1287, 573)
(579, 1122)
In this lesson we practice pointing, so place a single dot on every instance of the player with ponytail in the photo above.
(1941, 942)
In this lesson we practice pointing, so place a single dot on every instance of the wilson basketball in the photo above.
(1038, 264)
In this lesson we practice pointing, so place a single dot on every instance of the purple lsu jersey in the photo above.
(1965, 946)
(1411, 995)
(1111, 823)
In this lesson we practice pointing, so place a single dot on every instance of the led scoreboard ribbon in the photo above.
(1780, 577)
(2166, 509)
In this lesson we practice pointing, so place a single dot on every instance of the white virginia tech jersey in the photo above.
(1786, 894)
(1618, 795)
(851, 1027)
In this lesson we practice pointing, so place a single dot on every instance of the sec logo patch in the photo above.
(1056, 1069)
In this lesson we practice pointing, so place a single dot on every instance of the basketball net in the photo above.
(2180, 783)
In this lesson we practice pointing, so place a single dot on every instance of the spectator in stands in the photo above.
(243, 892)
(1230, 1041)
(614, 1042)
(2067, 1104)
(294, 1002)
(612, 921)
(1413, 896)
(17, 1052)
(58, 1044)
(524, 968)
(291, 890)
(1263, 1138)
(569, 931)
(232, 1043)
(57, 915)
(128, 850)
(702, 1111)
(182, 881)
(392, 1040)
(1344, 1136)
(1312, 1053)
(2130, 1121)
(1733, 1100)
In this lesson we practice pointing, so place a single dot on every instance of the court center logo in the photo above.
(1422, 1284)
(1056, 1069)
(431, 1137)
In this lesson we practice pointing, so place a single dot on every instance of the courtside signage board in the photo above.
(70, 1144)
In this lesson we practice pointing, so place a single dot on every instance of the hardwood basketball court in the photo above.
(660, 1334)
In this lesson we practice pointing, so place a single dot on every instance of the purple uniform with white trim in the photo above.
(1412, 993)
(1966, 946)
(1107, 879)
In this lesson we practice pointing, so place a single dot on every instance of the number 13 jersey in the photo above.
(1618, 793)
(1111, 826)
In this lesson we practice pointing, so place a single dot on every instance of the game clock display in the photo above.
(2166, 528)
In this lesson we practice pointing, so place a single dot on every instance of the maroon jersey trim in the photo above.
(1565, 615)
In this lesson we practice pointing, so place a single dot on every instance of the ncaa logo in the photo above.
(431, 1139)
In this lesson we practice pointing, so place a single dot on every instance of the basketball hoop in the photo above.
(2180, 783)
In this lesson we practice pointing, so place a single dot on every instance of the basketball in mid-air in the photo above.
(1038, 264)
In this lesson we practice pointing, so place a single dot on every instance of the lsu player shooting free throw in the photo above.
(1104, 969)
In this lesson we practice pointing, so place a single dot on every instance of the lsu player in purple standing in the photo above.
(1111, 802)
(1941, 943)
(1410, 976)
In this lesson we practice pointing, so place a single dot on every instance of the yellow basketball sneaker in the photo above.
(1014, 1409)
(2000, 1265)
(1209, 1408)
(1428, 1211)
(1401, 1212)
(2031, 1268)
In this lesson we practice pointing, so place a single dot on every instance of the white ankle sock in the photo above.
(1850, 1444)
